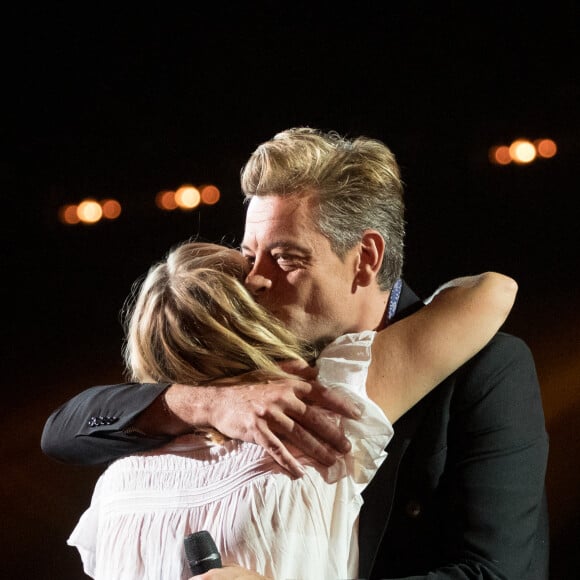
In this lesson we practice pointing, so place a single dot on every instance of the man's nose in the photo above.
(257, 283)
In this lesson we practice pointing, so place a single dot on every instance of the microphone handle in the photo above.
(201, 552)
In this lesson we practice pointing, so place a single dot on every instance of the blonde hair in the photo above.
(357, 184)
(191, 321)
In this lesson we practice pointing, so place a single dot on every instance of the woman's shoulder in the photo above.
(345, 362)
(352, 344)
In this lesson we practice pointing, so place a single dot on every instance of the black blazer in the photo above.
(460, 495)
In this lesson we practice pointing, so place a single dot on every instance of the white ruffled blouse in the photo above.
(143, 506)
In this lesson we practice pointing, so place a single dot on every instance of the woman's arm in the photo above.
(412, 356)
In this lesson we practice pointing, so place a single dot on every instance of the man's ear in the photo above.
(372, 250)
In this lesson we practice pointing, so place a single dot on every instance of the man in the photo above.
(462, 492)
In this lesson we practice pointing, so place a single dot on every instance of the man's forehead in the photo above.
(277, 216)
(275, 207)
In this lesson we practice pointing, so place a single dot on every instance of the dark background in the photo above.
(125, 101)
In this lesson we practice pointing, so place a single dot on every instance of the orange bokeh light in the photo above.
(166, 200)
(68, 214)
(522, 151)
(210, 194)
(111, 209)
(500, 155)
(187, 197)
(546, 148)
(89, 211)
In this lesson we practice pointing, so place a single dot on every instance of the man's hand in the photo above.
(294, 411)
(229, 573)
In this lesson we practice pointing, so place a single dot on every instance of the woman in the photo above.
(193, 322)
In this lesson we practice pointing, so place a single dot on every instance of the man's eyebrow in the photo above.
(280, 244)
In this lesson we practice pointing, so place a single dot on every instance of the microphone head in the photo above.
(201, 552)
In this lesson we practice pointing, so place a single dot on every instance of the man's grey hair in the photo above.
(356, 182)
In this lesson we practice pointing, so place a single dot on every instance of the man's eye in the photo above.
(288, 261)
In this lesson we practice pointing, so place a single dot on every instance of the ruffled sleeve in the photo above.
(344, 365)
(84, 536)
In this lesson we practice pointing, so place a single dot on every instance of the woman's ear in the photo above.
(372, 250)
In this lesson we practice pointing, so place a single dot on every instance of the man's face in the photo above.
(294, 272)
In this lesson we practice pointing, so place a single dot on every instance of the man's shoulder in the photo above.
(504, 370)
(503, 349)
(497, 389)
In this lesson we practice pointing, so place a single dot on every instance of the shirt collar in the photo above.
(394, 299)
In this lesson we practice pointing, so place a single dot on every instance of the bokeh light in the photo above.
(522, 151)
(67, 214)
(89, 211)
(546, 148)
(210, 194)
(187, 197)
(500, 155)
(165, 200)
(111, 209)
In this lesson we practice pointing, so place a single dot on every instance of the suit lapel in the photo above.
(378, 496)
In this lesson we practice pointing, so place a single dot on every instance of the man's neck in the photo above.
(380, 308)
(370, 311)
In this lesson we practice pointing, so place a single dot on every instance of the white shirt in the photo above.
(260, 517)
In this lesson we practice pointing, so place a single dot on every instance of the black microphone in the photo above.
(201, 552)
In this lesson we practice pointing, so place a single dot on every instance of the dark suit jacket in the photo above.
(461, 494)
